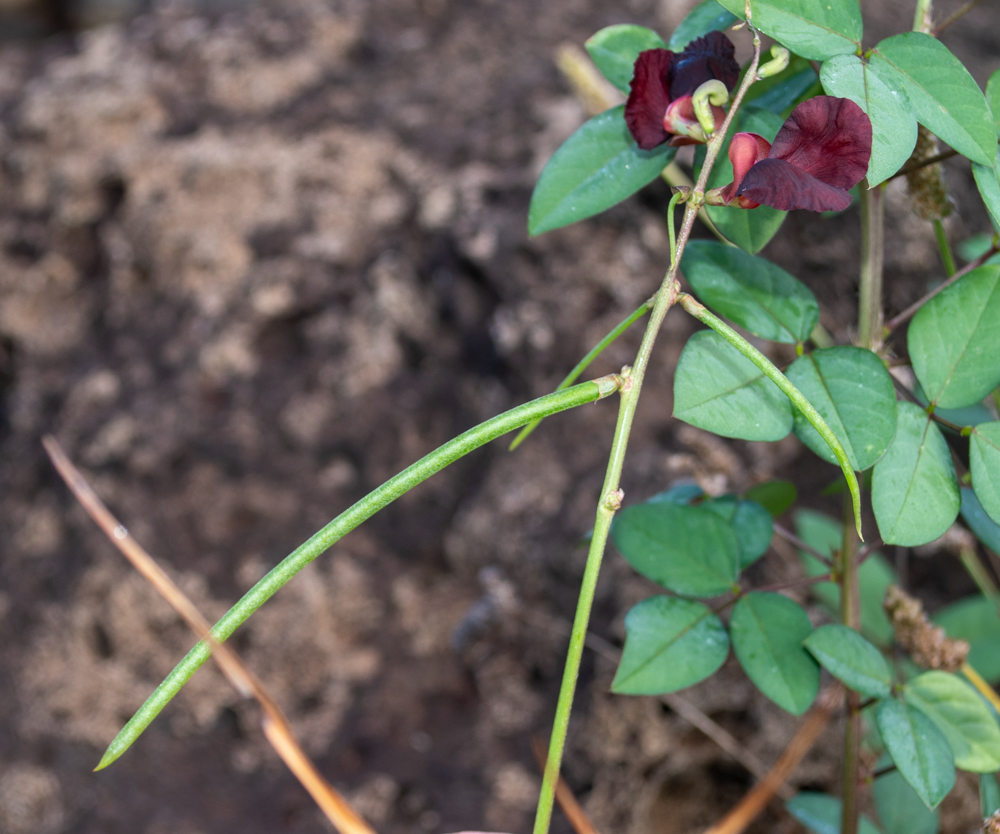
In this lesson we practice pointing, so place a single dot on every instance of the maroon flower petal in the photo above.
(711, 56)
(745, 150)
(828, 137)
(779, 184)
(649, 98)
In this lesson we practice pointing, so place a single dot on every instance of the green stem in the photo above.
(778, 378)
(582, 365)
(850, 616)
(343, 524)
(670, 228)
(673, 176)
(611, 495)
(946, 254)
(922, 16)
(872, 242)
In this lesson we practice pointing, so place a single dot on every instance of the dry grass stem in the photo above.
(275, 724)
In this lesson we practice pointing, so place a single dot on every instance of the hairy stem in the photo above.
(611, 495)
(850, 616)
(584, 363)
(343, 524)
(872, 242)
(778, 378)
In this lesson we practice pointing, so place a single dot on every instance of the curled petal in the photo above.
(781, 185)
(649, 98)
(745, 150)
(711, 56)
(828, 137)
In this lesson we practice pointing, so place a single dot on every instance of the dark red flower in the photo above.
(659, 105)
(820, 153)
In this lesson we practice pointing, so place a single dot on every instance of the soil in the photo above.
(253, 263)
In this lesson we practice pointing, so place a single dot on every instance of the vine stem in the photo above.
(611, 494)
(797, 397)
(850, 616)
(872, 243)
(338, 528)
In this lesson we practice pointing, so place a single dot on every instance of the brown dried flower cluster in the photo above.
(926, 185)
(927, 645)
(991, 825)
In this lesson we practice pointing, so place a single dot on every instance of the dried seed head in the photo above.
(926, 185)
(991, 825)
(927, 645)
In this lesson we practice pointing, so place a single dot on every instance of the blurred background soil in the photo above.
(255, 259)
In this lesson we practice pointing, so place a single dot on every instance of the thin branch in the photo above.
(275, 725)
(911, 397)
(911, 311)
(750, 806)
(882, 771)
(868, 550)
(937, 30)
(923, 163)
(791, 538)
(795, 583)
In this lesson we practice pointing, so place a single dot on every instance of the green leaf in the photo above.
(707, 16)
(900, 809)
(993, 97)
(984, 458)
(970, 415)
(615, 48)
(820, 812)
(961, 715)
(918, 748)
(718, 389)
(944, 97)
(670, 643)
(874, 576)
(750, 229)
(975, 620)
(894, 126)
(954, 340)
(598, 166)
(767, 631)
(985, 528)
(852, 390)
(988, 182)
(778, 93)
(851, 659)
(775, 496)
(914, 489)
(814, 29)
(989, 794)
(753, 292)
(750, 522)
(690, 550)
(754, 529)
(680, 494)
